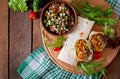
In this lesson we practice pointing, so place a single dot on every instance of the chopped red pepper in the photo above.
(97, 55)
(33, 15)
(57, 48)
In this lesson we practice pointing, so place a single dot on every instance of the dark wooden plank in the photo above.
(3, 39)
(113, 70)
(20, 40)
(37, 39)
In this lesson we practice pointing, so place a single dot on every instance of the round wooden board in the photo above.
(108, 53)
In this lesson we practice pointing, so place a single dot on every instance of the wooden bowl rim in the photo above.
(68, 4)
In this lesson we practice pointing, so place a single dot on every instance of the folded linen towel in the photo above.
(39, 66)
(116, 5)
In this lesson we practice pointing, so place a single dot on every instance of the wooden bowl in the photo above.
(72, 12)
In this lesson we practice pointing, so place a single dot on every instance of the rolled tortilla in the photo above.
(83, 50)
(97, 41)
(81, 31)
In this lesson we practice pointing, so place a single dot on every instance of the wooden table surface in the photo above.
(19, 36)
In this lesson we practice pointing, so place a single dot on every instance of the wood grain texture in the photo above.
(3, 39)
(113, 70)
(37, 38)
(24, 39)
(20, 41)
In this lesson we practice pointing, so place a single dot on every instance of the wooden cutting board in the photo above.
(108, 53)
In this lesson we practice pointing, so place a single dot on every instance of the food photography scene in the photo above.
(60, 39)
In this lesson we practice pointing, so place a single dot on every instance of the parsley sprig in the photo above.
(92, 67)
(58, 43)
(97, 14)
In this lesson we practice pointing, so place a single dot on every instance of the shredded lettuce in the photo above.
(109, 31)
(18, 5)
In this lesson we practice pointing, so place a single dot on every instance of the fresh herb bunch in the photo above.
(101, 17)
(91, 67)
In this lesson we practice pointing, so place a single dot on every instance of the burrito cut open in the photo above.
(97, 40)
(81, 31)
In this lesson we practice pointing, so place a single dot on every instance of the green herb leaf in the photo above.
(18, 5)
(49, 44)
(107, 12)
(109, 31)
(105, 21)
(90, 67)
(85, 69)
(101, 17)
(102, 73)
(58, 43)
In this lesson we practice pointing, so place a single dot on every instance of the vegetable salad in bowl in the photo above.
(58, 17)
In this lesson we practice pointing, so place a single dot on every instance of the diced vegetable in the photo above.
(58, 18)
(97, 55)
(57, 48)
(32, 15)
